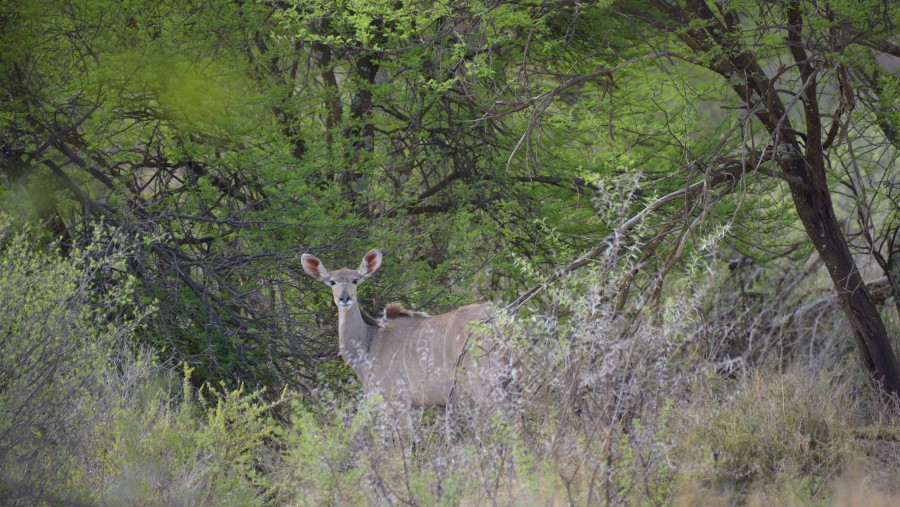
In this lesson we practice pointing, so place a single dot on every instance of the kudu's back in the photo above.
(413, 359)
(426, 360)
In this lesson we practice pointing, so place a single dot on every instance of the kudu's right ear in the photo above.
(370, 263)
(314, 267)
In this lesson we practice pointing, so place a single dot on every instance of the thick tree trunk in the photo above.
(333, 108)
(893, 268)
(804, 163)
(361, 132)
(816, 212)
(812, 199)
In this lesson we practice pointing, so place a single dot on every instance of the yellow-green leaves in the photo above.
(189, 91)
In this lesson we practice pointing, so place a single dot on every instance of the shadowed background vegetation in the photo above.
(690, 207)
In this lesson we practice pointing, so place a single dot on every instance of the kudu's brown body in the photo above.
(411, 359)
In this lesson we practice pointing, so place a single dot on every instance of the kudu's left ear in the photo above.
(370, 263)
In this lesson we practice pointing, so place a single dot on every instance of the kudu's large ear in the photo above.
(314, 267)
(370, 263)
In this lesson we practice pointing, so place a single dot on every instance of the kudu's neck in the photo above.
(356, 332)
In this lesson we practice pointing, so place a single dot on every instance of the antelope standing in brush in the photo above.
(409, 358)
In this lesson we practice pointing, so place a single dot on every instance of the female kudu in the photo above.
(412, 359)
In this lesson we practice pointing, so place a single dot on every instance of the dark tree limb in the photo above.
(810, 193)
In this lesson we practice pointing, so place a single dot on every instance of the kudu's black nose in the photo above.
(345, 298)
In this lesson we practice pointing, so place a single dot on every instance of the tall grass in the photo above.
(678, 403)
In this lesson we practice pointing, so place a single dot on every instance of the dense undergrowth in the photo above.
(669, 405)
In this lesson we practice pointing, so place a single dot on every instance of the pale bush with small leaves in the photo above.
(609, 408)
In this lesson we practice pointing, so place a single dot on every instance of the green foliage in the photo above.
(318, 467)
(61, 319)
(195, 448)
(84, 420)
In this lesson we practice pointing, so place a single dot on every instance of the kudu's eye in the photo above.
(354, 281)
(333, 282)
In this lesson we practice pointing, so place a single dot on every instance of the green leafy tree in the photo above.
(464, 140)
(795, 82)
(233, 137)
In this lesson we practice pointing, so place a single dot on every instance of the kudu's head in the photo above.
(344, 281)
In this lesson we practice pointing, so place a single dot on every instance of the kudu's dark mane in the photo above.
(395, 310)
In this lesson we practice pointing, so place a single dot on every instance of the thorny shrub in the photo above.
(610, 407)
